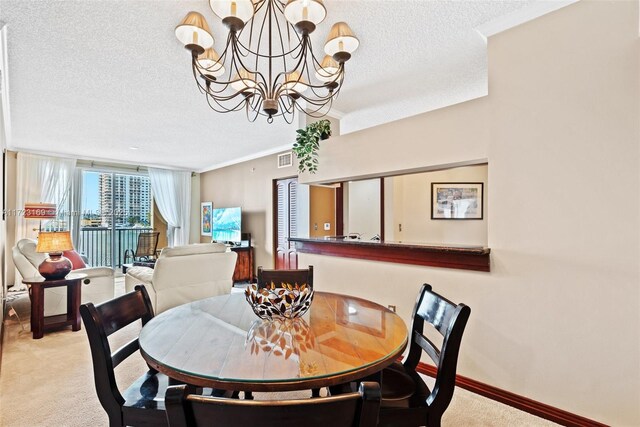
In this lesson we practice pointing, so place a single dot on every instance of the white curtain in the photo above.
(172, 194)
(41, 179)
(76, 208)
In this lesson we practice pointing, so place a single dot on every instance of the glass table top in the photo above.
(219, 342)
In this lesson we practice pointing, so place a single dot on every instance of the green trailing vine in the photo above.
(308, 143)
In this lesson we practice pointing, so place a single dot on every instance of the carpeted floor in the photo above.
(49, 382)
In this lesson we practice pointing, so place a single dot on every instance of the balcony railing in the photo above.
(96, 244)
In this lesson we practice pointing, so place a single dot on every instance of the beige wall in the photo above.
(557, 320)
(409, 204)
(248, 185)
(194, 226)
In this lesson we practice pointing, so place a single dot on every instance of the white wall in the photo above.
(363, 199)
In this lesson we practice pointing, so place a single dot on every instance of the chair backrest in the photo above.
(103, 320)
(147, 244)
(188, 273)
(449, 320)
(345, 410)
(265, 277)
(26, 259)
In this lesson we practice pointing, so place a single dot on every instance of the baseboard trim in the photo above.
(525, 404)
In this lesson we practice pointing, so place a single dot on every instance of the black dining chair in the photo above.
(406, 399)
(358, 409)
(141, 404)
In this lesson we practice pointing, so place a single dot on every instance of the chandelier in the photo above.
(268, 66)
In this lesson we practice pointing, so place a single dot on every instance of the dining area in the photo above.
(341, 356)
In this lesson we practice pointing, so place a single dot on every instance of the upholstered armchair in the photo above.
(185, 273)
(97, 287)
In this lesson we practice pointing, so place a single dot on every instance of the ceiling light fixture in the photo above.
(267, 66)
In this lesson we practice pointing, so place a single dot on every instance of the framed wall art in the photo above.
(456, 200)
(205, 218)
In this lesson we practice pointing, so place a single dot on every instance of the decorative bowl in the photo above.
(285, 301)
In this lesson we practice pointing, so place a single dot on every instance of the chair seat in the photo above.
(404, 398)
(144, 401)
(402, 387)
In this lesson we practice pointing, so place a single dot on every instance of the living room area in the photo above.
(172, 155)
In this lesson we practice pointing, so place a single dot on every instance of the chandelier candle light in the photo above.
(267, 66)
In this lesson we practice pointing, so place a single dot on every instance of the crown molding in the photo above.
(253, 156)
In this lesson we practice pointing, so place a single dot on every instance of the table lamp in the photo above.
(55, 266)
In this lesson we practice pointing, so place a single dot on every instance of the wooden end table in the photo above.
(40, 323)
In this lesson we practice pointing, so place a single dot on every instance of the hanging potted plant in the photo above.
(308, 143)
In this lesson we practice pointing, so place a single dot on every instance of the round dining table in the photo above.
(219, 342)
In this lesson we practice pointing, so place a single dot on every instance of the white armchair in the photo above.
(97, 287)
(185, 273)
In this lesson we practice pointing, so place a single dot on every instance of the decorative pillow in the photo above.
(75, 258)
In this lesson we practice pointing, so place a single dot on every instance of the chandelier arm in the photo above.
(220, 101)
(279, 88)
(223, 108)
(259, 84)
(321, 111)
(261, 55)
(213, 93)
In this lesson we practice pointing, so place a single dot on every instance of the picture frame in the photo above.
(206, 209)
(457, 200)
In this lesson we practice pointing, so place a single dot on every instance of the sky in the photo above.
(90, 192)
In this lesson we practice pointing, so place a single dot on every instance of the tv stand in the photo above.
(244, 265)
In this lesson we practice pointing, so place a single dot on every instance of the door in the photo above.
(116, 208)
(285, 201)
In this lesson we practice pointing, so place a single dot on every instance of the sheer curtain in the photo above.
(41, 179)
(172, 193)
(76, 208)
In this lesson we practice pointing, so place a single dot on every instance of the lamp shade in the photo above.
(328, 69)
(39, 210)
(341, 39)
(294, 82)
(194, 30)
(209, 61)
(241, 9)
(54, 241)
(245, 81)
(305, 10)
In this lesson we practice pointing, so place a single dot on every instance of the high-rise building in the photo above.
(128, 197)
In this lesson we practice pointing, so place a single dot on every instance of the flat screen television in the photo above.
(226, 224)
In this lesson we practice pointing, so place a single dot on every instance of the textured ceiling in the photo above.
(93, 78)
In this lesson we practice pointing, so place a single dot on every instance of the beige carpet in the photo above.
(49, 382)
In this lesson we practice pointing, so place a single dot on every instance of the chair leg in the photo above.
(248, 395)
(315, 392)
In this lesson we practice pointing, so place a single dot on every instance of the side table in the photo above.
(40, 323)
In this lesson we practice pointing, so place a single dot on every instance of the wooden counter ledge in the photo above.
(453, 256)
